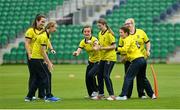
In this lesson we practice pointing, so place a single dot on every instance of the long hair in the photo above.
(103, 21)
(50, 24)
(38, 18)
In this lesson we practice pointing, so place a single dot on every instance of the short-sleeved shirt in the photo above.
(94, 56)
(130, 48)
(141, 39)
(31, 33)
(107, 39)
(41, 40)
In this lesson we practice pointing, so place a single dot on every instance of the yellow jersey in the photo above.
(31, 33)
(41, 40)
(94, 56)
(141, 39)
(121, 44)
(130, 48)
(107, 39)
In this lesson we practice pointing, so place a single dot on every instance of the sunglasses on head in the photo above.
(127, 23)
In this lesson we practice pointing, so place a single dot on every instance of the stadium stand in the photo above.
(16, 15)
(148, 15)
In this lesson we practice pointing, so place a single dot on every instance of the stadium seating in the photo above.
(16, 16)
(147, 14)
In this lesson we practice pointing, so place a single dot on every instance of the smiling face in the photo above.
(122, 34)
(53, 28)
(129, 23)
(41, 23)
(87, 32)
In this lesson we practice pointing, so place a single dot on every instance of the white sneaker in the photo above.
(154, 96)
(34, 98)
(98, 97)
(143, 97)
(112, 97)
(121, 98)
(94, 94)
(87, 97)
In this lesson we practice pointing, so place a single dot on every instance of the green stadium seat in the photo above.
(164, 53)
(6, 58)
(3, 40)
(156, 53)
(171, 47)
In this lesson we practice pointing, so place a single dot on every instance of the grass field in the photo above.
(14, 79)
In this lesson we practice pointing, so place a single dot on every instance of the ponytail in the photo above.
(103, 21)
(110, 30)
(38, 18)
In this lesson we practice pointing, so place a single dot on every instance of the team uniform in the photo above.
(93, 65)
(137, 67)
(31, 33)
(141, 38)
(39, 68)
(108, 59)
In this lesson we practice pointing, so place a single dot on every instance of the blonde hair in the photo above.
(131, 20)
(50, 24)
(103, 21)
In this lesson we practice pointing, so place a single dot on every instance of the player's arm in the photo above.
(27, 46)
(77, 52)
(148, 48)
(111, 47)
(147, 42)
(96, 46)
(51, 47)
(45, 56)
(124, 49)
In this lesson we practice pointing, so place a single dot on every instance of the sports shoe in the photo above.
(52, 99)
(143, 97)
(112, 97)
(57, 98)
(87, 97)
(99, 97)
(121, 98)
(94, 94)
(154, 96)
(34, 98)
(27, 99)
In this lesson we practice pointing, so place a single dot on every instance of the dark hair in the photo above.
(38, 18)
(87, 26)
(103, 21)
(125, 29)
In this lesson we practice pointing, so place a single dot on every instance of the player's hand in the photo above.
(75, 53)
(50, 66)
(123, 59)
(88, 41)
(96, 48)
(29, 56)
(53, 51)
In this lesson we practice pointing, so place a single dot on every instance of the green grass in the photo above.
(14, 79)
